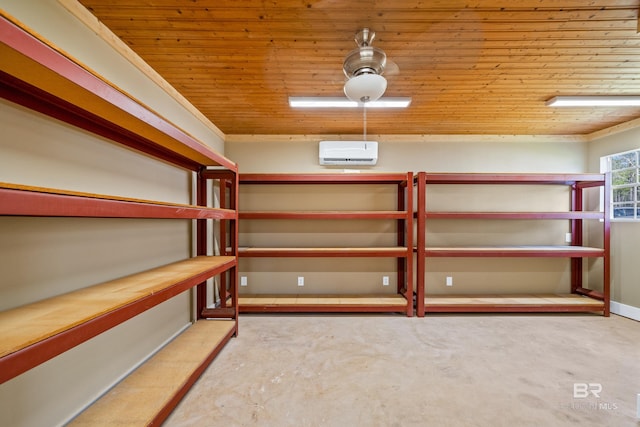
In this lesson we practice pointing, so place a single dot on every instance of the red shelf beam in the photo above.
(329, 178)
(392, 252)
(324, 215)
(33, 203)
(583, 180)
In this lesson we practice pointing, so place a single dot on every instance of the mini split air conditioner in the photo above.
(348, 153)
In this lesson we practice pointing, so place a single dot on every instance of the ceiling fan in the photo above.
(364, 68)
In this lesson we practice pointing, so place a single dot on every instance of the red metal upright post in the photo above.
(420, 243)
(606, 224)
(577, 201)
(233, 237)
(405, 239)
(201, 241)
(222, 239)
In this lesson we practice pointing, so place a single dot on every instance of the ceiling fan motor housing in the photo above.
(366, 59)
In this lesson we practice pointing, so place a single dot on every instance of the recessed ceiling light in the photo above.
(594, 101)
(328, 102)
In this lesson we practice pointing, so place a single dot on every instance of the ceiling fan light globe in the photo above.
(365, 87)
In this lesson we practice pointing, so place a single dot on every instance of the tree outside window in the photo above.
(625, 184)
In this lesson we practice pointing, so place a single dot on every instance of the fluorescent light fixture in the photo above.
(328, 102)
(594, 101)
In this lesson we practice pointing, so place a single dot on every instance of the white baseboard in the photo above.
(625, 310)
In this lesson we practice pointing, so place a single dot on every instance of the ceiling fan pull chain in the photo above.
(364, 121)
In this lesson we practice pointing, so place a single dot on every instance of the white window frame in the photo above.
(605, 166)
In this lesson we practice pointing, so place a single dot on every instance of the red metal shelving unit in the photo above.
(579, 299)
(403, 252)
(37, 76)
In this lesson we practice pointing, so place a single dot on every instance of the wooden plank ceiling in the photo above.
(471, 67)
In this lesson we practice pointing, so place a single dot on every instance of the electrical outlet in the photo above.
(385, 280)
(243, 280)
(300, 281)
(449, 281)
(567, 238)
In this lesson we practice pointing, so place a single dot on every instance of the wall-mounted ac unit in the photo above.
(348, 153)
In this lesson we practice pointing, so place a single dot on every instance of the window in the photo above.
(625, 184)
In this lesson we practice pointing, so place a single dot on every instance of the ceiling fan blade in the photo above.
(391, 68)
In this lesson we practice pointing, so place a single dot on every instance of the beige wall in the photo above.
(450, 155)
(40, 257)
(625, 269)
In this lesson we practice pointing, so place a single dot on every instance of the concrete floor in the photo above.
(444, 370)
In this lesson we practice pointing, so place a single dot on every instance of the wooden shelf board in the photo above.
(22, 326)
(322, 303)
(394, 251)
(514, 251)
(512, 302)
(33, 333)
(149, 393)
(323, 215)
(23, 200)
(321, 299)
